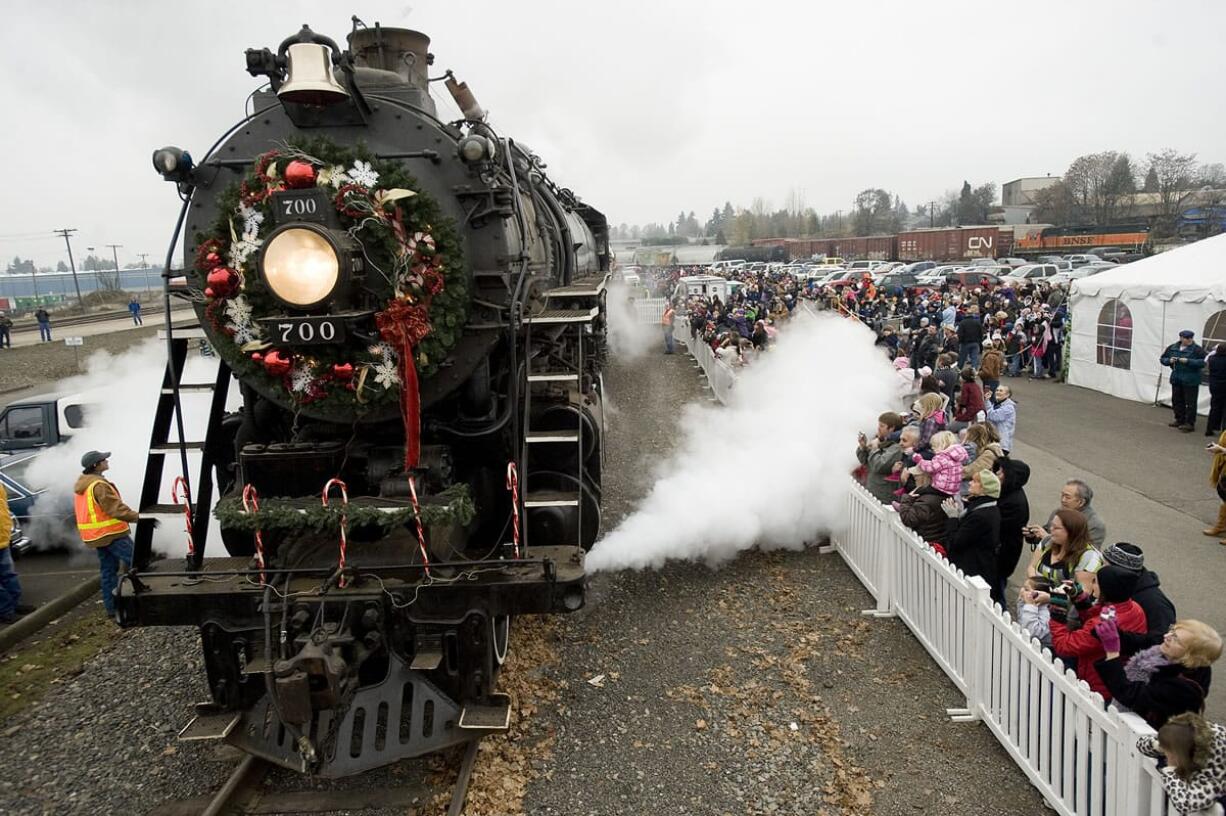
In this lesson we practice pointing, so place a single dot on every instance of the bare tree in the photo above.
(1176, 179)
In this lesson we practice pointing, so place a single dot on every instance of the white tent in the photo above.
(1124, 318)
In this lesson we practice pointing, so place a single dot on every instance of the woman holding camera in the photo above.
(1066, 553)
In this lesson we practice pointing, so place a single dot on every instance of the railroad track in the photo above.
(85, 320)
(244, 794)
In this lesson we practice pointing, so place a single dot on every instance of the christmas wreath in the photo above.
(413, 265)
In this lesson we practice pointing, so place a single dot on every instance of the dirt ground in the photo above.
(28, 366)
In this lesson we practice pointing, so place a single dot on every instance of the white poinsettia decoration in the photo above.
(384, 350)
(362, 173)
(334, 176)
(252, 219)
(301, 378)
(386, 374)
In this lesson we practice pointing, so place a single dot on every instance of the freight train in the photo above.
(953, 244)
(414, 313)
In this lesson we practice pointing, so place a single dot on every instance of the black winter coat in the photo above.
(1159, 614)
(1171, 689)
(972, 541)
(922, 512)
(970, 330)
(1014, 515)
(1216, 363)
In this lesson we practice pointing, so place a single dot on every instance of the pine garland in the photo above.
(303, 515)
(440, 254)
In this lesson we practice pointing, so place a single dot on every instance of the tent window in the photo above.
(1115, 335)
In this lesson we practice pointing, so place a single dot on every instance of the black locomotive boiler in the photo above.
(415, 316)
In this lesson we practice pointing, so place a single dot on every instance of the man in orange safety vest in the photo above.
(102, 520)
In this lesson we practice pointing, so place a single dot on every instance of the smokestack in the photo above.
(400, 50)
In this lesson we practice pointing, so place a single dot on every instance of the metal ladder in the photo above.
(152, 504)
(576, 321)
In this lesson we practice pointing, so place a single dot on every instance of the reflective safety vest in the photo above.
(92, 521)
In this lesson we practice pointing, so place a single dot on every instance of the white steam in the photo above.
(120, 394)
(629, 337)
(772, 468)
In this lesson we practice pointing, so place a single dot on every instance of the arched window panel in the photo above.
(1114, 346)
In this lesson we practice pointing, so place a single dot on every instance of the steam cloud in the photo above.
(771, 469)
(119, 394)
(629, 337)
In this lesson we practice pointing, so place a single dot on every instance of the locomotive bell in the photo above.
(308, 77)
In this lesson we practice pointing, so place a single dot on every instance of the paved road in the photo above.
(45, 576)
(1151, 486)
(58, 333)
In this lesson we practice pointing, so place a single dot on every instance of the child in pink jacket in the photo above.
(945, 467)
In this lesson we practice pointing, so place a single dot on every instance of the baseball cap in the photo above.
(1187, 333)
(94, 457)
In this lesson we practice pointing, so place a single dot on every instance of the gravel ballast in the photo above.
(754, 689)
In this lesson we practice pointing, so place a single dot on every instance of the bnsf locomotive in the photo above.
(414, 314)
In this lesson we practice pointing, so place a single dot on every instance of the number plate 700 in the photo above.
(306, 331)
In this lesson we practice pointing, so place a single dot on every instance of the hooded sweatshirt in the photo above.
(108, 499)
(1014, 514)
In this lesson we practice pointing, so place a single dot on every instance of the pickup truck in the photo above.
(40, 421)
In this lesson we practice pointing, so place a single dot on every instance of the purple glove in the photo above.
(1108, 634)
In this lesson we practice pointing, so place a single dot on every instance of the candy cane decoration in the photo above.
(187, 510)
(513, 486)
(251, 504)
(340, 564)
(421, 535)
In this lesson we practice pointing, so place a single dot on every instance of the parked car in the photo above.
(1033, 272)
(982, 262)
(919, 267)
(18, 543)
(936, 275)
(988, 277)
(40, 421)
(899, 279)
(864, 266)
(1012, 262)
(1080, 272)
(1081, 260)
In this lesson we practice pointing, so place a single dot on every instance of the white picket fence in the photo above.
(1079, 754)
(650, 310)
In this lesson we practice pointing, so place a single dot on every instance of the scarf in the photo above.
(1142, 666)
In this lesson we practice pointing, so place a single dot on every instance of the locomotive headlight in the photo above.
(476, 148)
(301, 266)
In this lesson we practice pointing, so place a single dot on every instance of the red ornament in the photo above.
(212, 260)
(276, 363)
(343, 371)
(209, 293)
(256, 357)
(299, 174)
(222, 281)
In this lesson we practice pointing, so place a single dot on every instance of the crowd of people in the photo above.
(1096, 605)
(946, 464)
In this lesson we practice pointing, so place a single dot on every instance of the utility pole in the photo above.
(145, 264)
(67, 231)
(115, 255)
(932, 214)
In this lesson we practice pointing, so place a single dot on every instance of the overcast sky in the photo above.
(643, 108)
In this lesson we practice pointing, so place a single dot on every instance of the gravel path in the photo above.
(754, 689)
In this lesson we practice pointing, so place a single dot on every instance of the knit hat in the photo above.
(1115, 584)
(991, 484)
(1123, 554)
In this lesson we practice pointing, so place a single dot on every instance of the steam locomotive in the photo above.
(415, 316)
